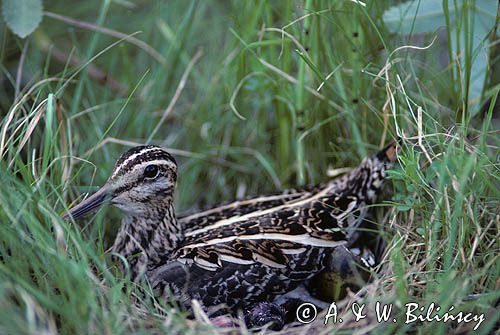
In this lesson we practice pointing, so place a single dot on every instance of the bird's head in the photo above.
(368, 178)
(143, 179)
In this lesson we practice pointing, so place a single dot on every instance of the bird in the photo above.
(240, 254)
(352, 263)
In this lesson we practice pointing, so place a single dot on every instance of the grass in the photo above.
(251, 97)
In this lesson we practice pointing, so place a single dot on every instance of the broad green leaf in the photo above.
(426, 16)
(22, 16)
(484, 19)
(418, 16)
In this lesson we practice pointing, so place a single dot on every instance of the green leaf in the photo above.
(426, 16)
(403, 207)
(417, 16)
(22, 16)
(484, 16)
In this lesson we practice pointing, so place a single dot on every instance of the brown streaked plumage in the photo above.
(240, 253)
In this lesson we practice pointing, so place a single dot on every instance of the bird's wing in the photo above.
(271, 253)
(194, 221)
(324, 218)
(268, 239)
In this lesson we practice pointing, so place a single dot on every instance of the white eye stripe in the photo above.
(143, 165)
(130, 158)
(122, 181)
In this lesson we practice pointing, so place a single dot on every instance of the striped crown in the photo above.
(142, 155)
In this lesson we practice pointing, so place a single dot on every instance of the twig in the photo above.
(237, 89)
(93, 71)
(83, 66)
(90, 26)
(19, 74)
(107, 140)
(420, 132)
(178, 152)
(177, 94)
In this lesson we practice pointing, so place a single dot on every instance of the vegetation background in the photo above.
(251, 97)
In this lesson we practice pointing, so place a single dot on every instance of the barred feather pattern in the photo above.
(253, 255)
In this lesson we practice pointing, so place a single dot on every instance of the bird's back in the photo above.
(237, 256)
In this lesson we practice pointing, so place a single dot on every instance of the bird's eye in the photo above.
(151, 171)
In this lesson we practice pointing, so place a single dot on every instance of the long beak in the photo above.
(89, 205)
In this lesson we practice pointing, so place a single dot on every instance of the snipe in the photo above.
(241, 253)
